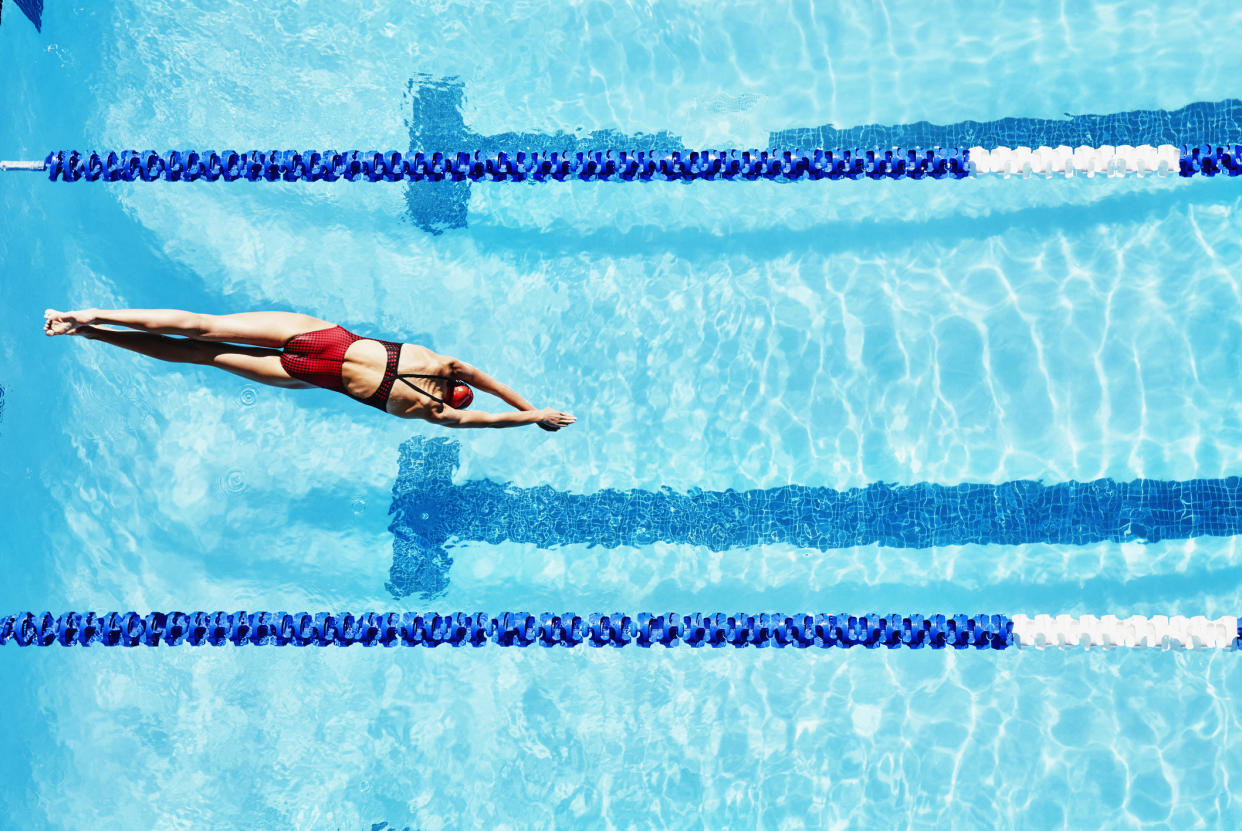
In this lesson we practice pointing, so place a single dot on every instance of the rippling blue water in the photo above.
(714, 337)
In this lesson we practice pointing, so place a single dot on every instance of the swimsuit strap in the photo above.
(379, 398)
(403, 378)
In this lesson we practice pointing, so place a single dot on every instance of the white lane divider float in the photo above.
(1106, 160)
(1156, 632)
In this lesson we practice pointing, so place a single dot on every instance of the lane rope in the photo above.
(637, 166)
(618, 629)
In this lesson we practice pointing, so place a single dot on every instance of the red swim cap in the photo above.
(460, 396)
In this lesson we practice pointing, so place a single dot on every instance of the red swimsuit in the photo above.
(316, 357)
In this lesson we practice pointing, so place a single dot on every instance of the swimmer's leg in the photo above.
(253, 363)
(271, 329)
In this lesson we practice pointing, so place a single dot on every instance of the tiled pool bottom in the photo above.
(555, 738)
(865, 310)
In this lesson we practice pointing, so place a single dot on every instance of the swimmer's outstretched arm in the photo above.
(479, 379)
(554, 419)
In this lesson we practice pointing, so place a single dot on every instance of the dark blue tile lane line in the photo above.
(436, 124)
(33, 9)
(1214, 122)
(429, 511)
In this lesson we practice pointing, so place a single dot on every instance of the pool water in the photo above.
(712, 336)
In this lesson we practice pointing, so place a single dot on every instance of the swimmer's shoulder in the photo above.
(431, 360)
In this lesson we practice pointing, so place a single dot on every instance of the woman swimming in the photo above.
(296, 351)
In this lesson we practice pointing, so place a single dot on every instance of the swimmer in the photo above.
(297, 351)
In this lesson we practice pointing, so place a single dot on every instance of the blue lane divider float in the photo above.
(636, 166)
(567, 629)
(603, 165)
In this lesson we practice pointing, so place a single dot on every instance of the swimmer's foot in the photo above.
(66, 323)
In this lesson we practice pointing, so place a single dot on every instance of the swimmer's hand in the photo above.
(66, 323)
(553, 420)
